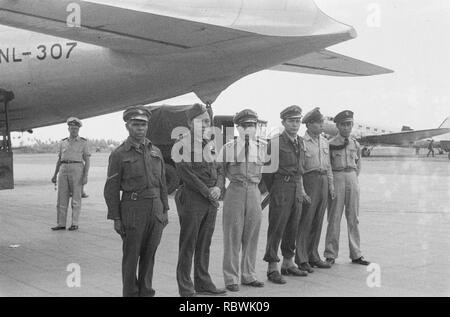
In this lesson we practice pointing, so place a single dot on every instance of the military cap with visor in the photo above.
(313, 116)
(74, 121)
(344, 116)
(245, 116)
(291, 112)
(137, 113)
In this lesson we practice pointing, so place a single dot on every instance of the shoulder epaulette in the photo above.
(83, 139)
(65, 139)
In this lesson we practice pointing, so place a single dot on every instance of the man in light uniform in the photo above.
(243, 161)
(346, 164)
(318, 182)
(73, 168)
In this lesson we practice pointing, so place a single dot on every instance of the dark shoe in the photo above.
(84, 195)
(254, 284)
(360, 261)
(58, 228)
(306, 267)
(233, 288)
(212, 292)
(275, 277)
(320, 264)
(330, 261)
(293, 271)
(189, 295)
(73, 228)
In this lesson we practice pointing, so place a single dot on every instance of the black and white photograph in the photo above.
(241, 150)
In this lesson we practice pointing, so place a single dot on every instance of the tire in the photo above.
(172, 178)
(365, 152)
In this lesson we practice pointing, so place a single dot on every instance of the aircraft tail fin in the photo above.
(445, 124)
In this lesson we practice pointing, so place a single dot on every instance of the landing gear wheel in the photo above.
(172, 179)
(365, 152)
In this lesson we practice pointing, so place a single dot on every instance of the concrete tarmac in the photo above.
(404, 225)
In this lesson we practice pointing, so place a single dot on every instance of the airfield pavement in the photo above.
(404, 225)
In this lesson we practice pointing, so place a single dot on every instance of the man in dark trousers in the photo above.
(197, 203)
(286, 197)
(430, 148)
(136, 168)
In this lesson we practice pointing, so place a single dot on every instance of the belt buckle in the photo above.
(134, 196)
(287, 178)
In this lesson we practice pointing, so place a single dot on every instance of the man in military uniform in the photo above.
(136, 168)
(73, 168)
(430, 148)
(243, 159)
(197, 203)
(346, 164)
(318, 182)
(286, 196)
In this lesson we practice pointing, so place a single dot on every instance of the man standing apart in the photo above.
(430, 148)
(136, 168)
(197, 204)
(243, 162)
(286, 196)
(73, 168)
(318, 182)
(346, 164)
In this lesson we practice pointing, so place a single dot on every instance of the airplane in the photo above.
(60, 58)
(370, 136)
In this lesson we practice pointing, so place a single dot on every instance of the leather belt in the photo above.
(316, 172)
(288, 178)
(148, 193)
(70, 162)
(346, 170)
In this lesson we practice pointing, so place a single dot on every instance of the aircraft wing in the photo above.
(157, 28)
(114, 27)
(329, 63)
(403, 138)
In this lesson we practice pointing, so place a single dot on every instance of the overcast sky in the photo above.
(412, 38)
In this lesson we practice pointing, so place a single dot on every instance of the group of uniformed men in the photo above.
(312, 173)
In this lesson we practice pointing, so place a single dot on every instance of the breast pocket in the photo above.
(353, 157)
(337, 159)
(133, 168)
(287, 157)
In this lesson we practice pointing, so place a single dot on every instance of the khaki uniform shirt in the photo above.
(239, 169)
(317, 156)
(73, 149)
(349, 157)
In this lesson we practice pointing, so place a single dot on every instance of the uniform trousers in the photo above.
(347, 197)
(197, 228)
(143, 231)
(310, 225)
(70, 180)
(285, 209)
(241, 224)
